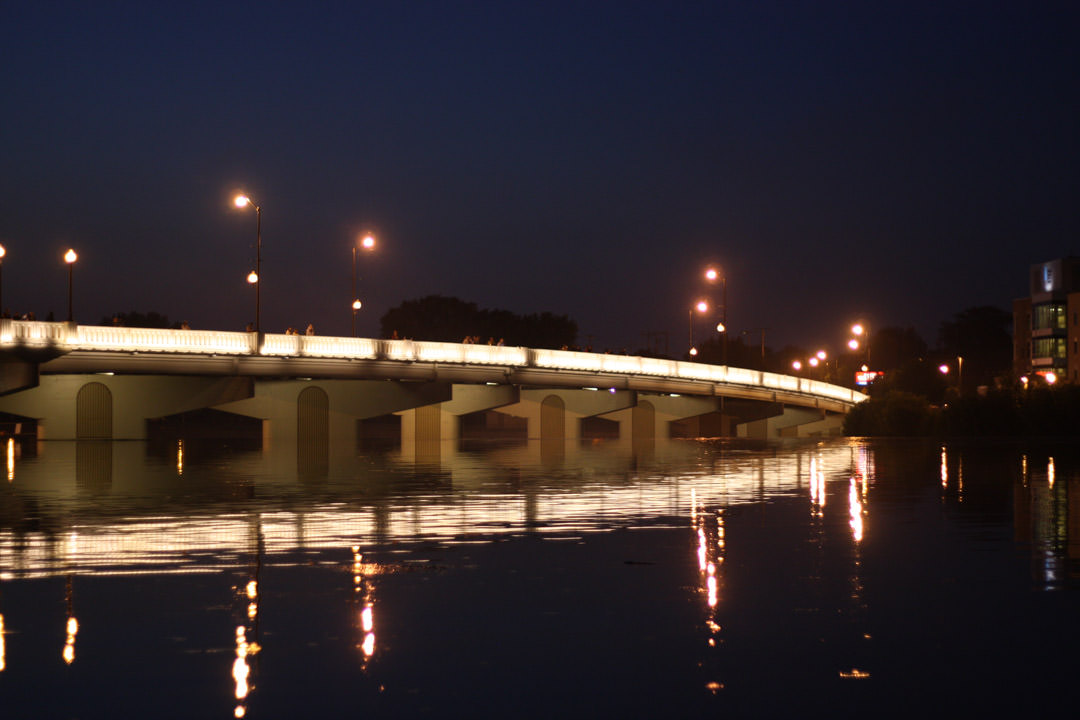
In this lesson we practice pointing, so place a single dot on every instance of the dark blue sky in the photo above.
(891, 161)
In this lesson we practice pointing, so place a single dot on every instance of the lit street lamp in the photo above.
(254, 277)
(367, 243)
(859, 330)
(3, 252)
(712, 275)
(702, 307)
(944, 369)
(70, 257)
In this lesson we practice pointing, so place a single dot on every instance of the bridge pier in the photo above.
(652, 416)
(552, 414)
(424, 428)
(106, 406)
(329, 408)
(794, 422)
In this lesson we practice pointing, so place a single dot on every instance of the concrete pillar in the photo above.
(651, 418)
(275, 402)
(574, 405)
(132, 400)
(793, 422)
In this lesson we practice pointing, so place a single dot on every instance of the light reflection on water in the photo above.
(822, 538)
(120, 523)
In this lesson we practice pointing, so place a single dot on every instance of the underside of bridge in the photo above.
(121, 407)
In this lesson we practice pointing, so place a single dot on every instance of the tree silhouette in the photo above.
(450, 319)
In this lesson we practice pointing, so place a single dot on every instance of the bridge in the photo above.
(80, 382)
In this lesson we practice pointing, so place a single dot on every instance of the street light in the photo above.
(859, 330)
(702, 307)
(712, 275)
(254, 277)
(70, 257)
(3, 252)
(367, 243)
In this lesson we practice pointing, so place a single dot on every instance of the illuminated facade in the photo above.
(1046, 324)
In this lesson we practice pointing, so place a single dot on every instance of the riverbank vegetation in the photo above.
(1040, 411)
(936, 393)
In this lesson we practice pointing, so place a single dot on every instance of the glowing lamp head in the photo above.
(813, 361)
(252, 277)
(70, 256)
(368, 242)
(796, 365)
(943, 369)
(1051, 378)
(693, 352)
(853, 344)
(711, 275)
(355, 304)
(701, 306)
(3, 251)
(857, 329)
(241, 201)
(720, 327)
(821, 355)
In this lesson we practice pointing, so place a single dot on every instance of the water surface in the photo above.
(683, 579)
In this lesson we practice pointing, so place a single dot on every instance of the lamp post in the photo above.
(3, 252)
(860, 330)
(367, 243)
(70, 257)
(702, 307)
(254, 277)
(712, 275)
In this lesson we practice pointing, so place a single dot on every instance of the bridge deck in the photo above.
(69, 348)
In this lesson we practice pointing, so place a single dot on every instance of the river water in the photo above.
(683, 579)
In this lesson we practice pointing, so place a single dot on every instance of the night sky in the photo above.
(891, 162)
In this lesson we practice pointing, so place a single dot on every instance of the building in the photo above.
(1046, 325)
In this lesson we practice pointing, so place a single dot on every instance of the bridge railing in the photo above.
(29, 332)
(319, 346)
(89, 337)
(124, 339)
(439, 352)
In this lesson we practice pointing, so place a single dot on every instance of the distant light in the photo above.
(702, 306)
(693, 351)
(3, 251)
(70, 256)
(1051, 378)
(857, 329)
(943, 369)
(821, 355)
(368, 242)
(241, 200)
(355, 304)
(720, 327)
(813, 361)
(252, 277)
(864, 368)
(853, 344)
(612, 391)
(711, 274)
(797, 365)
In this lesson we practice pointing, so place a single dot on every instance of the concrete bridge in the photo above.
(87, 382)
